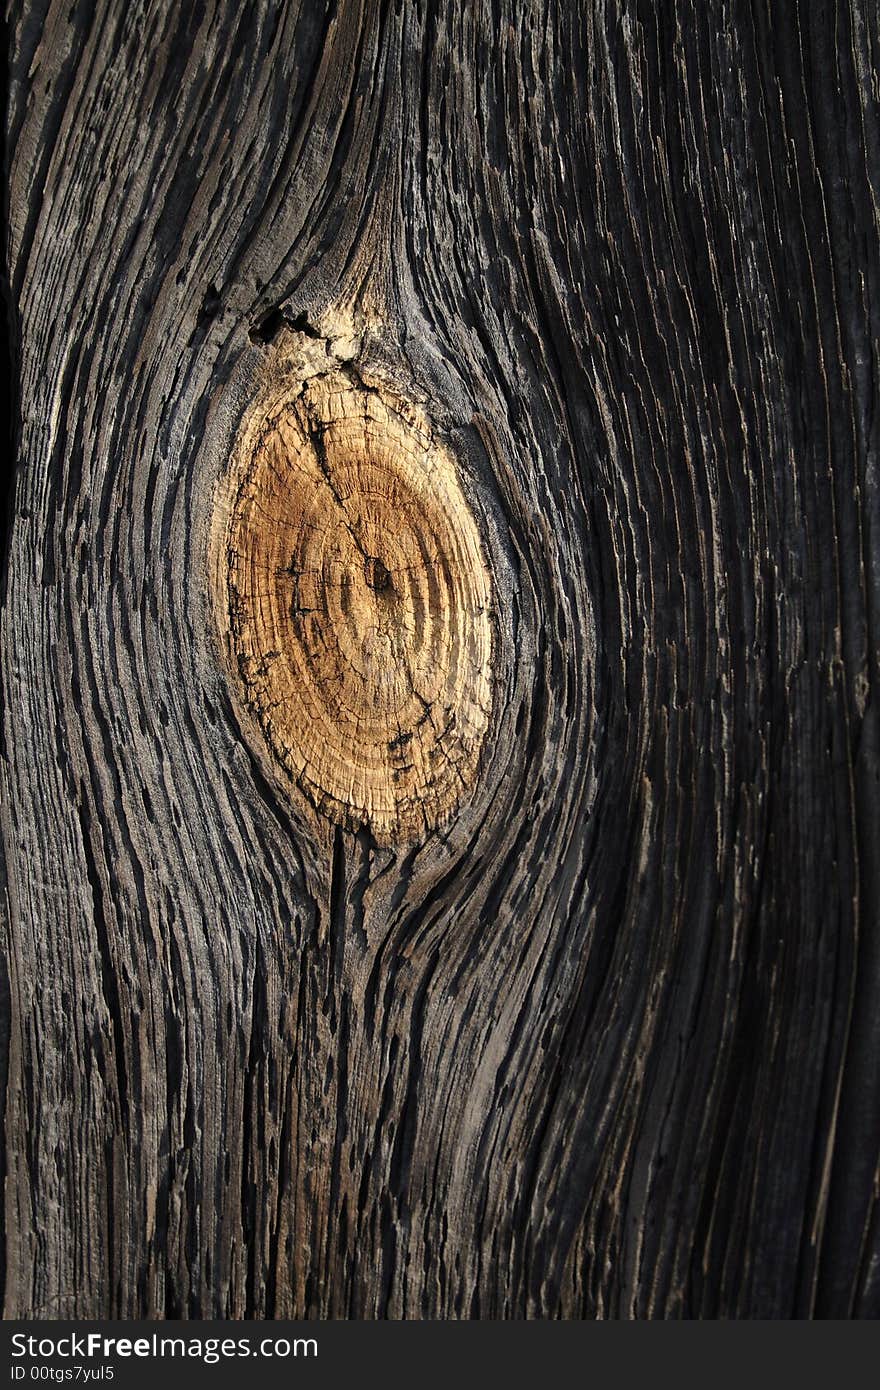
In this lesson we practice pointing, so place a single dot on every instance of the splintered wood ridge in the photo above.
(358, 605)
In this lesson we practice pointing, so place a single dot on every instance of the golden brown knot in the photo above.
(358, 606)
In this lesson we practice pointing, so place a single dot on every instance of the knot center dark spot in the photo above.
(376, 575)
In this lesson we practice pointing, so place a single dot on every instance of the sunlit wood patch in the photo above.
(356, 604)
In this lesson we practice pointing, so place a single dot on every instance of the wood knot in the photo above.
(356, 604)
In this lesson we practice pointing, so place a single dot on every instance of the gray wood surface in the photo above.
(607, 1043)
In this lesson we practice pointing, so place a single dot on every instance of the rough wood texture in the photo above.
(607, 1041)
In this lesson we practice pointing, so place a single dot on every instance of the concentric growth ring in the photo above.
(359, 607)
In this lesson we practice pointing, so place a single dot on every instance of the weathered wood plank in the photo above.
(606, 1042)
